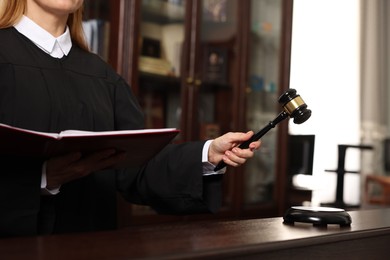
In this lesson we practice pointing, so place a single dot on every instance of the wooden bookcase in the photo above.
(227, 66)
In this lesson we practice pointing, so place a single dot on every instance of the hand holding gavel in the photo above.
(293, 106)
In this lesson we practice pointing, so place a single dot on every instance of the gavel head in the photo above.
(294, 106)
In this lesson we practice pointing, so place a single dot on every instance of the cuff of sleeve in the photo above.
(208, 168)
(44, 190)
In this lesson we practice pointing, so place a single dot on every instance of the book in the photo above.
(164, 43)
(155, 65)
(139, 145)
(96, 32)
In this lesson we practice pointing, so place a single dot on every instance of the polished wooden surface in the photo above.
(367, 237)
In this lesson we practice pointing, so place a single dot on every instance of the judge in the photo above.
(50, 82)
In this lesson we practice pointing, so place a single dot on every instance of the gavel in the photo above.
(293, 107)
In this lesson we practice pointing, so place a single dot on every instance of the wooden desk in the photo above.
(367, 238)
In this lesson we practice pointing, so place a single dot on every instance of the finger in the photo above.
(110, 161)
(57, 168)
(241, 137)
(67, 158)
(66, 168)
(87, 164)
(255, 145)
(95, 157)
(250, 133)
(243, 153)
(100, 155)
(234, 158)
(102, 160)
(229, 162)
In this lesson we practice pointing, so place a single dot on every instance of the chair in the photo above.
(341, 171)
(382, 195)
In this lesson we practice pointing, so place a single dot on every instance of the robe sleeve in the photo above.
(172, 182)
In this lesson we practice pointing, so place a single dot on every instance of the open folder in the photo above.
(139, 145)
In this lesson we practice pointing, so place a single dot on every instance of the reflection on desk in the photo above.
(367, 238)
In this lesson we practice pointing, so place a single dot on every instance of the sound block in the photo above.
(318, 216)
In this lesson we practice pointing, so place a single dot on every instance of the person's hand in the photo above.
(63, 169)
(226, 148)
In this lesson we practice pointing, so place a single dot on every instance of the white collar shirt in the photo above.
(55, 47)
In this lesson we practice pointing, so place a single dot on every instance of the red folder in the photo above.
(139, 145)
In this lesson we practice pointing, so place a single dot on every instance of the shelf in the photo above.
(158, 83)
(162, 12)
(214, 86)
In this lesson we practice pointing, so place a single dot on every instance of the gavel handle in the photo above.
(283, 115)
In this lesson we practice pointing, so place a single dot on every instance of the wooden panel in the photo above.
(367, 238)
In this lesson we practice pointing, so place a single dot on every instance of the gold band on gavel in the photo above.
(291, 106)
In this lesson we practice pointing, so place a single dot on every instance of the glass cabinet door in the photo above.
(217, 67)
(186, 64)
(262, 98)
(160, 45)
(96, 26)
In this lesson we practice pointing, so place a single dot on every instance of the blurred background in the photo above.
(339, 64)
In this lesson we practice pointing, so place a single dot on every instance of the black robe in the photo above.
(80, 91)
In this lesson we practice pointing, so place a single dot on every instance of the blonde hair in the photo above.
(12, 10)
